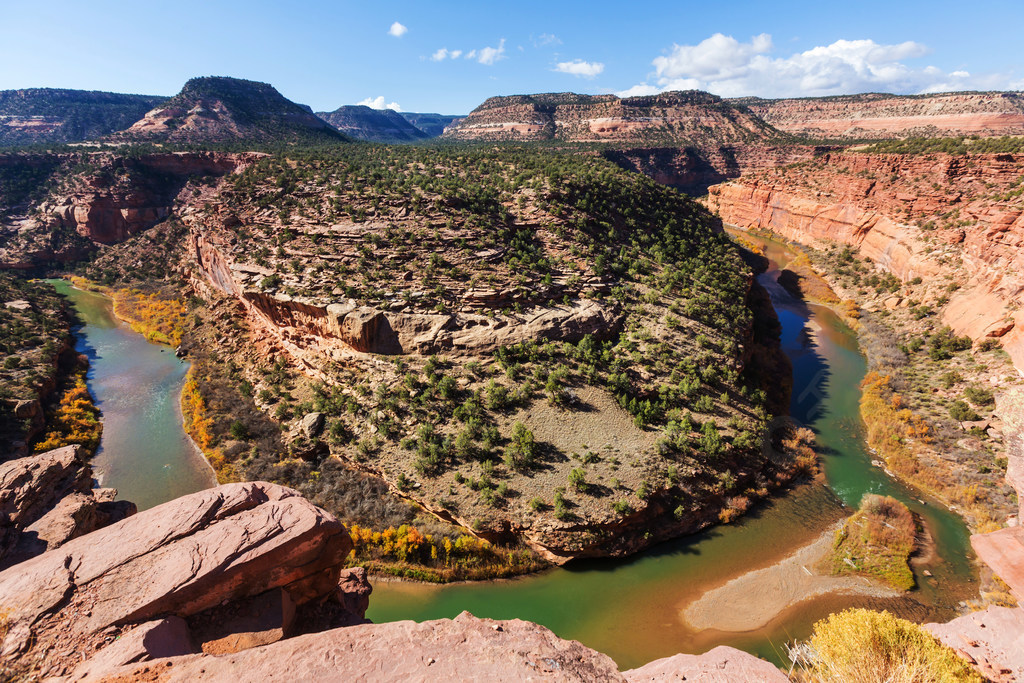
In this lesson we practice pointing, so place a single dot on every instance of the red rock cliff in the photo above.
(914, 216)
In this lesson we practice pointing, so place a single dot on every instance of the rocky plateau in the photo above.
(877, 115)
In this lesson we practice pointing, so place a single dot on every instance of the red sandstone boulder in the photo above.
(464, 648)
(991, 640)
(180, 558)
(32, 486)
(719, 665)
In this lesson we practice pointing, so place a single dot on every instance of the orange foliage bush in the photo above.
(197, 425)
(157, 319)
(74, 421)
(405, 551)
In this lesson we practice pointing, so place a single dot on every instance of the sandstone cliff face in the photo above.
(113, 199)
(176, 561)
(875, 115)
(693, 170)
(674, 117)
(914, 216)
(47, 500)
(109, 207)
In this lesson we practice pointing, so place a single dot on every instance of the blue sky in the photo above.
(449, 56)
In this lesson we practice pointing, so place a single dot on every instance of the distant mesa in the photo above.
(221, 109)
(670, 119)
(431, 124)
(375, 125)
(52, 115)
(386, 125)
(880, 115)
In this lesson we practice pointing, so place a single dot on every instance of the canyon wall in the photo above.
(99, 199)
(672, 118)
(875, 115)
(693, 170)
(914, 216)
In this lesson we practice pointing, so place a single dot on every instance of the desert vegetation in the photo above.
(34, 340)
(493, 433)
(862, 645)
(876, 541)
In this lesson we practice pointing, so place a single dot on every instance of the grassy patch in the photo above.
(877, 541)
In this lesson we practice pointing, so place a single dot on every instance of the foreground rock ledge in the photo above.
(464, 648)
(177, 559)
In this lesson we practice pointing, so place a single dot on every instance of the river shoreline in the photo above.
(787, 584)
(144, 452)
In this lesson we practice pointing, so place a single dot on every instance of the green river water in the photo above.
(144, 452)
(630, 608)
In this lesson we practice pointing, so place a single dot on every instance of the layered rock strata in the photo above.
(671, 117)
(175, 561)
(47, 500)
(877, 115)
(913, 215)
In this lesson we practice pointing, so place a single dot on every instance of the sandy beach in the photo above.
(752, 600)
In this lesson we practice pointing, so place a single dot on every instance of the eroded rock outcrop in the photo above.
(132, 196)
(111, 200)
(464, 648)
(315, 329)
(47, 500)
(720, 665)
(196, 553)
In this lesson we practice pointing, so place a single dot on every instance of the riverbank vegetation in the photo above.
(74, 419)
(198, 424)
(35, 341)
(876, 647)
(408, 553)
(924, 403)
(157, 316)
(876, 541)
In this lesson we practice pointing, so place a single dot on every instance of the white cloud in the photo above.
(578, 67)
(379, 103)
(490, 55)
(725, 66)
(486, 55)
(397, 30)
(638, 90)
